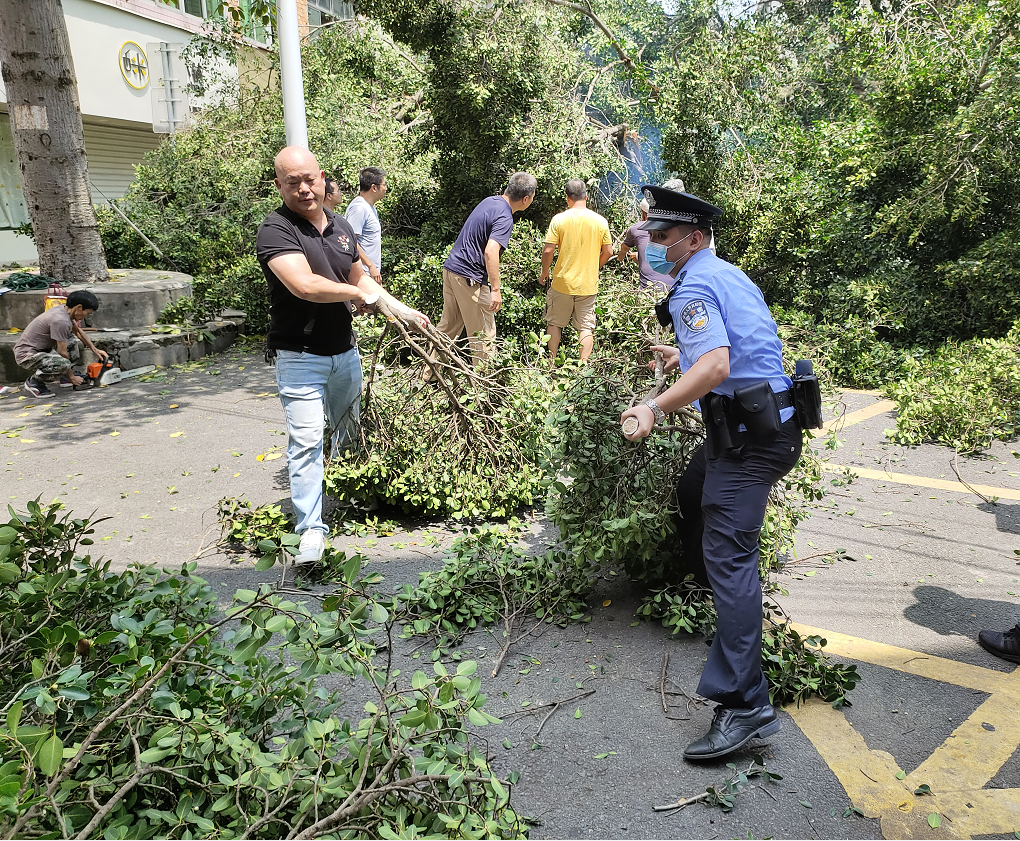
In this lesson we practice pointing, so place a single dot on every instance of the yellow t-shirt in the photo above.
(579, 234)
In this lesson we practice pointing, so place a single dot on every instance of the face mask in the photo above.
(655, 255)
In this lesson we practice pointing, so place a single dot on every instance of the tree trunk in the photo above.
(42, 99)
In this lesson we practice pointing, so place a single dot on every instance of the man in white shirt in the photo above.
(362, 217)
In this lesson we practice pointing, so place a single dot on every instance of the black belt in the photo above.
(784, 399)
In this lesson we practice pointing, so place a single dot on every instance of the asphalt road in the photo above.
(922, 571)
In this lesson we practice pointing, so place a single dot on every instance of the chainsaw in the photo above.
(106, 373)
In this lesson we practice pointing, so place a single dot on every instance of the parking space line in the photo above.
(923, 481)
(957, 770)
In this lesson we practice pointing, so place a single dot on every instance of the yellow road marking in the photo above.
(956, 772)
(879, 408)
(923, 481)
(905, 660)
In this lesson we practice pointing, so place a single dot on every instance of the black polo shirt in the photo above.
(294, 323)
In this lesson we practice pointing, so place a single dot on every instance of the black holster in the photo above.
(721, 432)
(755, 407)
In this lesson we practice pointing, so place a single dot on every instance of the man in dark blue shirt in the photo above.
(731, 359)
(471, 291)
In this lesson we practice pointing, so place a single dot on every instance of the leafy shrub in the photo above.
(489, 576)
(611, 499)
(467, 452)
(241, 286)
(796, 667)
(965, 395)
(248, 526)
(137, 709)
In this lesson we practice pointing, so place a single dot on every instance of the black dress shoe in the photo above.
(1006, 646)
(732, 729)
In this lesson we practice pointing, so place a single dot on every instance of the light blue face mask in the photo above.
(655, 255)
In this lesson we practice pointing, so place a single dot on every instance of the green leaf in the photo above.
(51, 752)
(577, 713)
(379, 614)
(247, 650)
(934, 820)
(923, 789)
(901, 775)
(476, 717)
(154, 754)
(265, 562)
(14, 717)
(806, 804)
(9, 573)
(7, 535)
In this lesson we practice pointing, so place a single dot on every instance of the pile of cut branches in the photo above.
(135, 707)
(612, 499)
(439, 436)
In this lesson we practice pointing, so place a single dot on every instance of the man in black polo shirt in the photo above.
(310, 258)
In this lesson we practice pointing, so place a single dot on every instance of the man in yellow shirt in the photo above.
(582, 237)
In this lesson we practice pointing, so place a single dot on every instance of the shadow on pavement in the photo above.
(1007, 517)
(950, 614)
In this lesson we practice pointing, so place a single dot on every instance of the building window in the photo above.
(323, 12)
(254, 27)
(197, 8)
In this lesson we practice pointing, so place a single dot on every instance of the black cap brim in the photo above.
(659, 225)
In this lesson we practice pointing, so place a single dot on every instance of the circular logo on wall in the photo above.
(134, 67)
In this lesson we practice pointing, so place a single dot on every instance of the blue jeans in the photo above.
(312, 386)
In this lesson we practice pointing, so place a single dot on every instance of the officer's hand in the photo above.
(670, 358)
(645, 418)
(496, 301)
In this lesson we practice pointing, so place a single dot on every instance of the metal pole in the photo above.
(168, 86)
(290, 71)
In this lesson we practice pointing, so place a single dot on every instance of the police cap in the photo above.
(667, 209)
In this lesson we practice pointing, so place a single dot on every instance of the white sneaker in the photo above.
(311, 547)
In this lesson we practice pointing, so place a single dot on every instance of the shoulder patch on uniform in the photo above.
(695, 316)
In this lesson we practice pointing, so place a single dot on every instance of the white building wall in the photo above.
(117, 118)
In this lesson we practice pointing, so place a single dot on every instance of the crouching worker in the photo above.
(52, 343)
(309, 255)
(732, 362)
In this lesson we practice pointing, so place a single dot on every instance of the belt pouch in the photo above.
(807, 396)
(719, 431)
(758, 410)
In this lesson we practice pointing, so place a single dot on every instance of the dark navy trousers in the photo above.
(722, 502)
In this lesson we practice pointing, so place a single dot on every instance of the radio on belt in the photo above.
(807, 396)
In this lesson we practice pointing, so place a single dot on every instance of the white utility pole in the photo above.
(290, 70)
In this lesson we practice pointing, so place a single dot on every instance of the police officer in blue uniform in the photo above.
(730, 356)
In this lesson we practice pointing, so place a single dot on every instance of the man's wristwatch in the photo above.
(660, 415)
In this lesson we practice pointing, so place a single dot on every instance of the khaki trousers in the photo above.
(466, 307)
